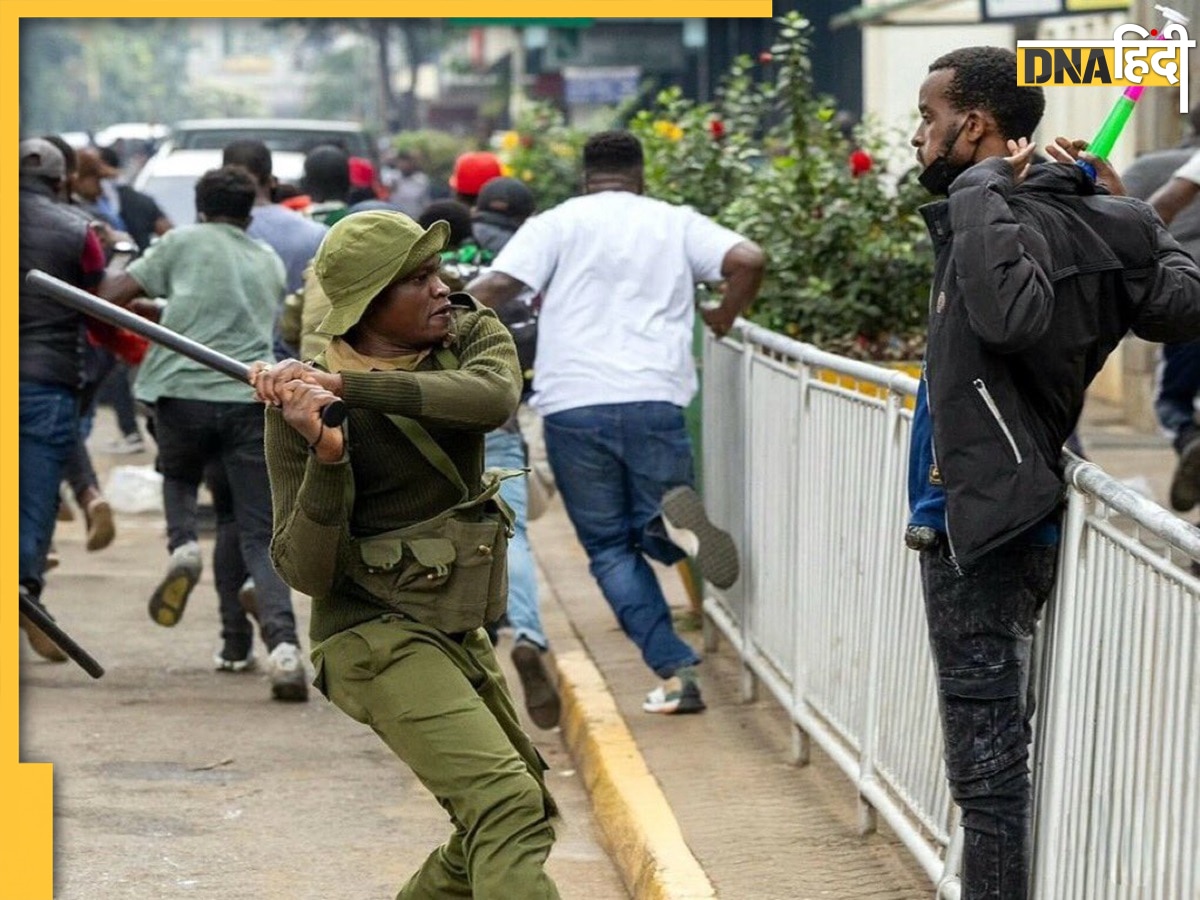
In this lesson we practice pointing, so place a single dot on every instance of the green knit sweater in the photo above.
(383, 482)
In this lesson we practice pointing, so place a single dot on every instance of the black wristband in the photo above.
(312, 448)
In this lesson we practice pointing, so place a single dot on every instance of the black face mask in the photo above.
(940, 173)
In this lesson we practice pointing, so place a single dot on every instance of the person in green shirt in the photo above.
(222, 288)
(391, 525)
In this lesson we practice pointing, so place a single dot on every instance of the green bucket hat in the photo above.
(365, 252)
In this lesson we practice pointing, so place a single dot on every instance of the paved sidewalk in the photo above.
(759, 827)
(728, 815)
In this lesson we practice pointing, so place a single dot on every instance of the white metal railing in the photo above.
(805, 459)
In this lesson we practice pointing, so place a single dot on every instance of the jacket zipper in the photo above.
(995, 411)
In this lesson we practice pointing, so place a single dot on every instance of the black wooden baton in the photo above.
(90, 305)
(39, 617)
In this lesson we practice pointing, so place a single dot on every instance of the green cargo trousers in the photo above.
(443, 707)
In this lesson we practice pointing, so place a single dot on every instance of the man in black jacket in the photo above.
(58, 241)
(1039, 274)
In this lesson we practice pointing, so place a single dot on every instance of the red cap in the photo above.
(362, 173)
(473, 170)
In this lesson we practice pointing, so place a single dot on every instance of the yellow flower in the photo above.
(510, 140)
(562, 150)
(792, 328)
(506, 170)
(527, 175)
(668, 130)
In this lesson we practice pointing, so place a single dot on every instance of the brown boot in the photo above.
(101, 529)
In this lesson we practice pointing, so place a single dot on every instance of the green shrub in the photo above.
(544, 152)
(848, 266)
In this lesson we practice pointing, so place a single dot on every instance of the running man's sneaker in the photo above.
(228, 659)
(101, 529)
(541, 696)
(677, 695)
(285, 668)
(169, 599)
(688, 527)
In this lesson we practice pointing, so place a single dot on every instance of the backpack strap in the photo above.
(432, 451)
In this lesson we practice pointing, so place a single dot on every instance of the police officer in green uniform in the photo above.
(392, 527)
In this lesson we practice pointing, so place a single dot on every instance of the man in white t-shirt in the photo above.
(1179, 373)
(617, 271)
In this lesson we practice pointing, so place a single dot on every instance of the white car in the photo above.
(170, 177)
(280, 135)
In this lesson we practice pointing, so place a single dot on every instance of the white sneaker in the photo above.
(289, 680)
(224, 664)
(169, 599)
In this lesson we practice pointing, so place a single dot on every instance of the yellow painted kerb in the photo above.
(635, 819)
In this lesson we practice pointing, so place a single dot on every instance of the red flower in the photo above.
(766, 56)
(860, 162)
(717, 129)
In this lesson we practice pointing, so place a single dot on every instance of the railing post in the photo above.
(884, 531)
(748, 686)
(949, 886)
(1059, 635)
(710, 634)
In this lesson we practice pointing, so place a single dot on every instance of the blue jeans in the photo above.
(49, 430)
(192, 434)
(981, 624)
(1178, 384)
(612, 464)
(506, 450)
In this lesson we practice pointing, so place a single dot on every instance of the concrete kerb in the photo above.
(638, 826)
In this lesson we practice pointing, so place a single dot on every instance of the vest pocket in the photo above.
(448, 572)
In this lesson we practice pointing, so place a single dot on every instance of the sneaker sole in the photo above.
(101, 528)
(717, 557)
(170, 598)
(541, 696)
(1186, 481)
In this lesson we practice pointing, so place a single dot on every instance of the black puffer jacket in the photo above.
(1034, 286)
